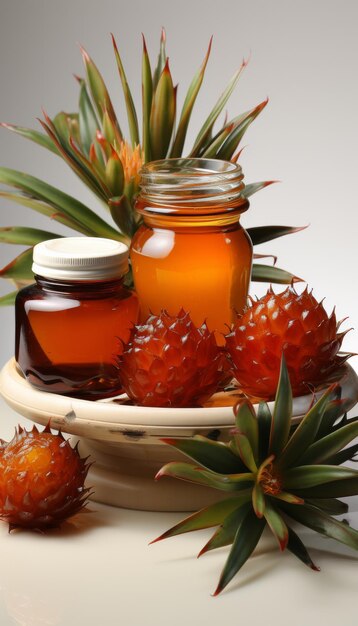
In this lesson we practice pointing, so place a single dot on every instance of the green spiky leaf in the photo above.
(262, 234)
(61, 202)
(258, 501)
(162, 115)
(162, 58)
(66, 126)
(225, 534)
(19, 269)
(76, 160)
(348, 454)
(205, 130)
(323, 523)
(334, 489)
(306, 432)
(332, 506)
(34, 135)
(213, 455)
(193, 474)
(46, 209)
(276, 524)
(328, 446)
(25, 236)
(131, 112)
(188, 105)
(313, 475)
(208, 517)
(335, 409)
(122, 214)
(147, 96)
(97, 87)
(88, 121)
(264, 420)
(8, 299)
(246, 422)
(267, 274)
(115, 175)
(252, 188)
(281, 418)
(244, 449)
(297, 548)
(232, 142)
(245, 542)
(215, 144)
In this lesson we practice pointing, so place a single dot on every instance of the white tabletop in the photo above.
(98, 570)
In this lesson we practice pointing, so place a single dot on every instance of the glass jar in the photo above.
(70, 324)
(191, 250)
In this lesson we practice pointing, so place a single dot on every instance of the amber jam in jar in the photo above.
(69, 325)
(191, 250)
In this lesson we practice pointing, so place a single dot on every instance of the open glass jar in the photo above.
(70, 325)
(191, 250)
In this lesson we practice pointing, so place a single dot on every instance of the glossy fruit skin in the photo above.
(289, 323)
(169, 362)
(41, 480)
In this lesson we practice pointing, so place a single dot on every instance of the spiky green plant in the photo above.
(276, 474)
(92, 143)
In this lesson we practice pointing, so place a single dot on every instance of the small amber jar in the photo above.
(191, 250)
(70, 324)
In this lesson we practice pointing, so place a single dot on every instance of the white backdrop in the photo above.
(304, 56)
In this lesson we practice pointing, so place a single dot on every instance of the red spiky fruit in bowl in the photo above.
(41, 480)
(170, 362)
(290, 323)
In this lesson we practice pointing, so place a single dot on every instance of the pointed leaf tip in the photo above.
(85, 54)
(159, 474)
(114, 42)
(168, 440)
(156, 540)
(208, 50)
(283, 543)
(202, 551)
(245, 62)
(145, 50)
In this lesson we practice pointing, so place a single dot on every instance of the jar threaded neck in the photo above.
(192, 186)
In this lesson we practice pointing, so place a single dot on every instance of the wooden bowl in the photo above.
(125, 440)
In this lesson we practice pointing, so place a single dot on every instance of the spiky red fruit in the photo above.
(169, 362)
(41, 480)
(287, 322)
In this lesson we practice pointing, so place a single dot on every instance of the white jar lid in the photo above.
(80, 258)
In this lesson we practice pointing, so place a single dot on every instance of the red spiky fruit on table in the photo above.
(41, 480)
(170, 362)
(290, 323)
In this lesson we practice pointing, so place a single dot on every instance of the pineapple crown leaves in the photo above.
(93, 145)
(275, 474)
(72, 135)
